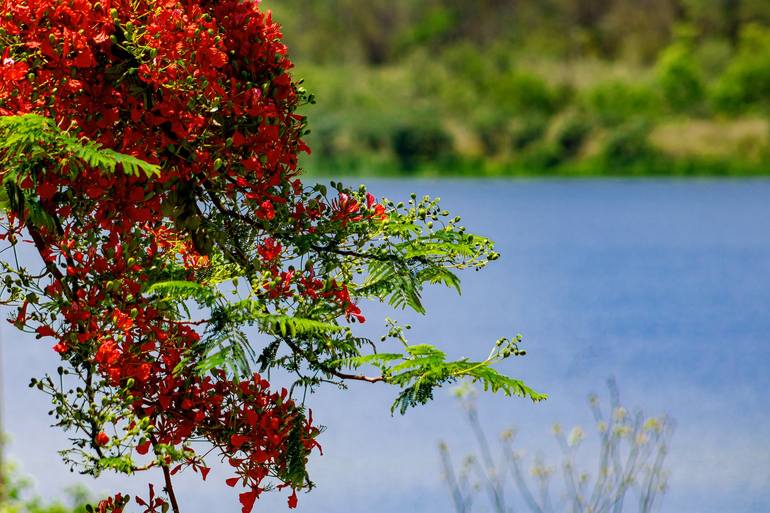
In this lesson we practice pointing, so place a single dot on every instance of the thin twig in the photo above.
(166, 477)
(342, 375)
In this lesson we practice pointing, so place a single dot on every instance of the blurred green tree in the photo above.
(19, 496)
(679, 75)
(745, 84)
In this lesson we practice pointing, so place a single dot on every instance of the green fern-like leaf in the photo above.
(379, 360)
(394, 283)
(423, 368)
(252, 312)
(183, 291)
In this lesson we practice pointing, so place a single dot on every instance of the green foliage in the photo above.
(13, 198)
(419, 144)
(480, 89)
(415, 246)
(394, 283)
(614, 102)
(423, 368)
(436, 24)
(627, 144)
(400, 284)
(19, 499)
(181, 291)
(519, 92)
(570, 134)
(253, 312)
(527, 130)
(745, 84)
(679, 76)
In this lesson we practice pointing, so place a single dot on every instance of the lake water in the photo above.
(663, 284)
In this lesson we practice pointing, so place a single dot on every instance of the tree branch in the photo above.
(329, 370)
(170, 489)
(166, 477)
(50, 266)
(319, 249)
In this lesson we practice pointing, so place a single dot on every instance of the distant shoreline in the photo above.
(660, 169)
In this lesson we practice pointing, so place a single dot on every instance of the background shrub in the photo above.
(745, 84)
(616, 101)
(679, 77)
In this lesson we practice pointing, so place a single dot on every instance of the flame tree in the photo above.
(150, 155)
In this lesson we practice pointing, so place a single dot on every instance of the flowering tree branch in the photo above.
(150, 151)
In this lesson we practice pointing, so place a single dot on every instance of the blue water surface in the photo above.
(663, 284)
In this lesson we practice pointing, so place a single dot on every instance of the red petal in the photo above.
(293, 500)
(238, 440)
(46, 190)
(45, 331)
(143, 448)
(247, 500)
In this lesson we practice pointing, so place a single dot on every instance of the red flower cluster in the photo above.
(135, 346)
(202, 89)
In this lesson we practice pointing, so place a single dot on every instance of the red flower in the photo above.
(282, 87)
(269, 250)
(293, 499)
(247, 500)
(238, 440)
(84, 59)
(238, 139)
(27, 183)
(143, 448)
(266, 210)
(213, 57)
(46, 190)
(45, 331)
(206, 72)
(345, 209)
(22, 315)
(122, 320)
(379, 213)
(102, 439)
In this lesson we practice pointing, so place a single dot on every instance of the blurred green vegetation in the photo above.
(19, 499)
(534, 87)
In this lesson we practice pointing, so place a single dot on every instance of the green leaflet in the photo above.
(178, 290)
(249, 311)
(423, 368)
(444, 244)
(440, 276)
(227, 346)
(377, 360)
(297, 454)
(14, 199)
(399, 277)
(392, 281)
(227, 349)
(122, 464)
